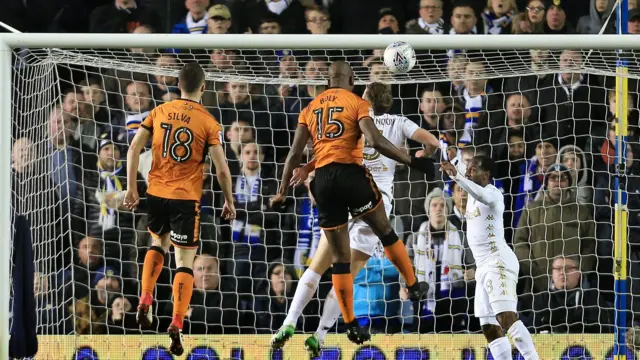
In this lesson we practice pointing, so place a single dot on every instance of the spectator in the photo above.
(315, 69)
(531, 176)
(430, 20)
(224, 60)
(530, 85)
(318, 20)
(440, 260)
(456, 67)
(634, 21)
(482, 107)
(599, 13)
(456, 217)
(519, 120)
(122, 16)
(270, 25)
(571, 305)
(388, 21)
(147, 54)
(556, 18)
(287, 13)
(375, 292)
(94, 92)
(576, 161)
(256, 230)
(240, 133)
(219, 21)
(432, 105)
(273, 297)
(75, 104)
(532, 20)
(214, 308)
(498, 16)
(165, 88)
(102, 206)
(90, 311)
(574, 106)
(195, 22)
(463, 19)
(551, 226)
(120, 318)
(137, 104)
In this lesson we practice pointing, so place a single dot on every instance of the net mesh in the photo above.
(526, 109)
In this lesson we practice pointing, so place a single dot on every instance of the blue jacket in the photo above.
(375, 290)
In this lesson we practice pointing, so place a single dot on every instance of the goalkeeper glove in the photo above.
(425, 165)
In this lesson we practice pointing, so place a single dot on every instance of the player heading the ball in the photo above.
(497, 266)
(181, 132)
(335, 122)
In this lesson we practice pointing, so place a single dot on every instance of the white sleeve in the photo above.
(408, 127)
(420, 253)
(489, 196)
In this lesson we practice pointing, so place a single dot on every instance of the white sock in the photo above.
(330, 314)
(500, 348)
(304, 293)
(522, 339)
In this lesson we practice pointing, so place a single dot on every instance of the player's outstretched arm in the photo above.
(487, 196)
(386, 148)
(131, 198)
(293, 161)
(427, 139)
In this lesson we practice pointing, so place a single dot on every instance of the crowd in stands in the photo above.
(551, 134)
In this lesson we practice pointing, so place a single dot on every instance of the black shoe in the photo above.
(356, 334)
(175, 347)
(418, 291)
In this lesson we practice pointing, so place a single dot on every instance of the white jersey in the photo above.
(484, 217)
(396, 129)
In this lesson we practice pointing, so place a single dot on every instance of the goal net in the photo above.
(546, 117)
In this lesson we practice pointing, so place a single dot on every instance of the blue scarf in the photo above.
(109, 183)
(494, 25)
(244, 193)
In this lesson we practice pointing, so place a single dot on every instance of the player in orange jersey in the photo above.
(182, 131)
(335, 121)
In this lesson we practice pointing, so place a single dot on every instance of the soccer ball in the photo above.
(399, 57)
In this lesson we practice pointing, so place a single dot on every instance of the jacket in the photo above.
(592, 23)
(547, 229)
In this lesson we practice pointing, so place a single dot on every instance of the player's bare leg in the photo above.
(182, 290)
(519, 334)
(331, 309)
(151, 269)
(395, 251)
(307, 286)
(338, 239)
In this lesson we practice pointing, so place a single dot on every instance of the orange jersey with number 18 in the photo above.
(182, 131)
(332, 120)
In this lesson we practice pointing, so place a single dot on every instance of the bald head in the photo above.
(341, 75)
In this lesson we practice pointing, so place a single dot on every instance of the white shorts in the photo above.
(496, 282)
(361, 237)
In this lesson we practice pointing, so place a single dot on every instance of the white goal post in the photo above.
(9, 43)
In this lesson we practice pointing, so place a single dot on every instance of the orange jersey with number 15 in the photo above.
(332, 120)
(182, 131)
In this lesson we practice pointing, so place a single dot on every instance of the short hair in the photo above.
(191, 77)
(317, 8)
(380, 97)
(485, 163)
(462, 3)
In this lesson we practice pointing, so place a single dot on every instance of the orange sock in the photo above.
(153, 261)
(397, 254)
(182, 290)
(343, 286)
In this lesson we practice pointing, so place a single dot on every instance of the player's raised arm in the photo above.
(476, 180)
(427, 139)
(141, 138)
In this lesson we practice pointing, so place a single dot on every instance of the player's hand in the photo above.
(300, 175)
(131, 199)
(425, 165)
(277, 201)
(228, 211)
(470, 275)
(448, 167)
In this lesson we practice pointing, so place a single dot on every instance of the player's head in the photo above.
(191, 80)
(480, 170)
(380, 97)
(341, 75)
